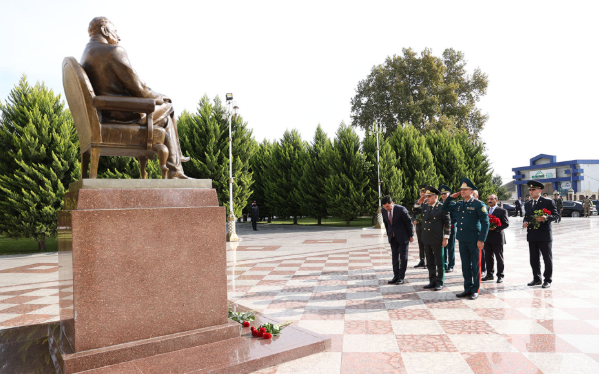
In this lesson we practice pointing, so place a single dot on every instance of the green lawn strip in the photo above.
(24, 246)
(330, 222)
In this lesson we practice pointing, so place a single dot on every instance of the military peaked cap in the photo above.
(422, 187)
(430, 190)
(535, 184)
(445, 189)
(466, 183)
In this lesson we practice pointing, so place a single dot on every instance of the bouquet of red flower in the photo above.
(267, 330)
(494, 222)
(539, 213)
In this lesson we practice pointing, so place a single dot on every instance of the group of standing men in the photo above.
(439, 223)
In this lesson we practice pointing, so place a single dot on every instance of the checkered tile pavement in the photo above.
(333, 281)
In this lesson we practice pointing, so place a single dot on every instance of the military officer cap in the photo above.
(445, 189)
(422, 187)
(535, 184)
(430, 190)
(556, 192)
(466, 183)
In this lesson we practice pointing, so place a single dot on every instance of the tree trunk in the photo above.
(41, 245)
(319, 220)
(295, 220)
(347, 222)
(373, 219)
(269, 218)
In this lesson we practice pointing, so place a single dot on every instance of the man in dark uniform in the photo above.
(539, 239)
(255, 215)
(473, 225)
(400, 232)
(449, 251)
(436, 225)
(518, 206)
(495, 240)
(422, 263)
(559, 205)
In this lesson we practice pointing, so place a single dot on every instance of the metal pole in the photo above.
(231, 235)
(230, 161)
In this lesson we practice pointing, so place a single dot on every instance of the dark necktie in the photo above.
(391, 220)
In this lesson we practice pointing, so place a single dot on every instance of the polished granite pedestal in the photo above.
(142, 270)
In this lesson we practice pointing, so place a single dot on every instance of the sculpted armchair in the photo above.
(112, 138)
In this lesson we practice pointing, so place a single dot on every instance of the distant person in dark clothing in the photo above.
(255, 215)
(559, 204)
(518, 205)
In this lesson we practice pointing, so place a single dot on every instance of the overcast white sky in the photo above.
(297, 65)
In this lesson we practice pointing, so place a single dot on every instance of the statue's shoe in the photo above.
(176, 175)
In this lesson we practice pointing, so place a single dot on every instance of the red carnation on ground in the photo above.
(267, 335)
(262, 330)
(246, 324)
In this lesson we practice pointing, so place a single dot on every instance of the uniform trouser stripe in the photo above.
(479, 260)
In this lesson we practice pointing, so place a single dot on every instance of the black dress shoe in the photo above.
(463, 294)
(488, 278)
(499, 279)
(401, 281)
(419, 265)
(546, 285)
(450, 270)
(534, 283)
(473, 296)
(438, 287)
(393, 281)
(430, 285)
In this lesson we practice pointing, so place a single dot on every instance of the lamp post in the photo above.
(231, 234)
(379, 211)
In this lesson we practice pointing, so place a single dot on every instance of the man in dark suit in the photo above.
(400, 232)
(436, 225)
(559, 205)
(518, 206)
(495, 240)
(255, 215)
(539, 239)
(418, 224)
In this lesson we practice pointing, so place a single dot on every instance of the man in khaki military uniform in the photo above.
(586, 204)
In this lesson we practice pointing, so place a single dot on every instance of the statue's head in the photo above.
(103, 26)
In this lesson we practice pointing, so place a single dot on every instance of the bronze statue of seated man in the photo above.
(110, 73)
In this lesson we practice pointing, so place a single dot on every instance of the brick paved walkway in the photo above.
(333, 281)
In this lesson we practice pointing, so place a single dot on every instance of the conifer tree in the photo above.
(449, 157)
(391, 175)
(39, 158)
(347, 186)
(284, 172)
(117, 167)
(204, 137)
(259, 164)
(478, 166)
(314, 175)
(415, 160)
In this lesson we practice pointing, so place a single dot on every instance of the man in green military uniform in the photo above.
(450, 249)
(473, 226)
(586, 204)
